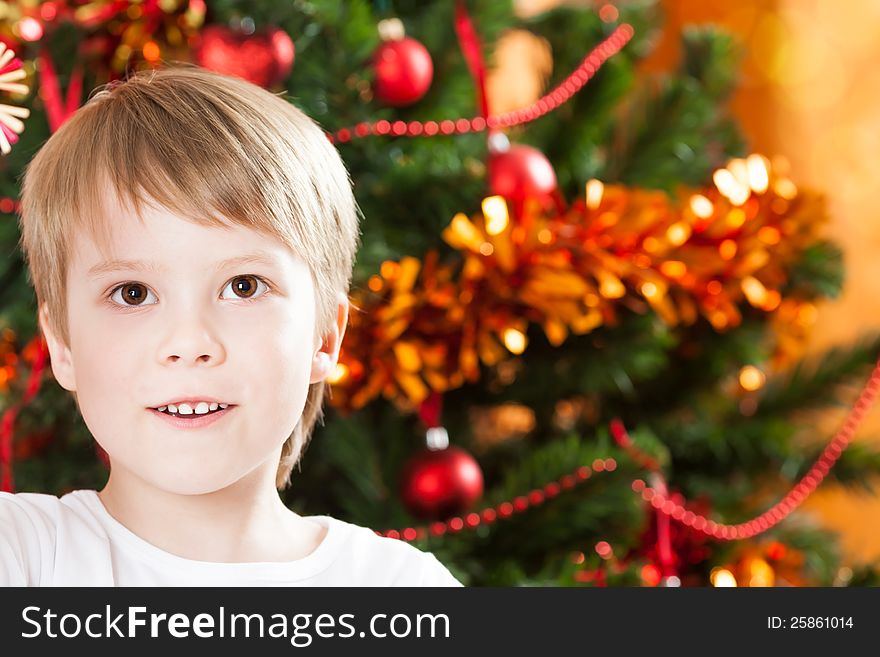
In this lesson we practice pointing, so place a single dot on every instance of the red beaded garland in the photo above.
(795, 496)
(549, 102)
(504, 509)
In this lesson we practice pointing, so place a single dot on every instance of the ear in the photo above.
(59, 354)
(327, 353)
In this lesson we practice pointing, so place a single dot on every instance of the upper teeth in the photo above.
(185, 409)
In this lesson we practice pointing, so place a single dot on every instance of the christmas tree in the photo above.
(575, 353)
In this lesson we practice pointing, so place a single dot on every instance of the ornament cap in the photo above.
(437, 438)
(498, 143)
(391, 29)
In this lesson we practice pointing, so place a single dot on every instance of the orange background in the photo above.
(808, 91)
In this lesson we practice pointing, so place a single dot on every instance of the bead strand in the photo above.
(504, 510)
(547, 103)
(792, 500)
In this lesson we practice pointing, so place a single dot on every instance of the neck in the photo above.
(244, 522)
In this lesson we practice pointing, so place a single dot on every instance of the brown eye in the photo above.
(133, 293)
(244, 286)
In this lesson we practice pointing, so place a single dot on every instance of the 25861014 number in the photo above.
(820, 622)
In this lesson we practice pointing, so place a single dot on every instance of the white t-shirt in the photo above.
(74, 541)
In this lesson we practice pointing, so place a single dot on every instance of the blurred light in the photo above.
(651, 244)
(736, 218)
(769, 235)
(610, 286)
(771, 301)
(595, 190)
(807, 314)
(759, 178)
(407, 356)
(545, 236)
(607, 219)
(672, 582)
(721, 577)
(776, 550)
(761, 573)
(751, 378)
(487, 249)
(701, 206)
(515, 341)
(151, 51)
(495, 211)
(785, 188)
(725, 182)
(603, 549)
(714, 287)
(650, 290)
(678, 233)
(29, 29)
(740, 170)
(727, 249)
(730, 187)
(650, 575)
(608, 13)
(463, 232)
(673, 268)
(389, 269)
(375, 283)
(340, 373)
(48, 11)
(754, 290)
(577, 557)
(719, 319)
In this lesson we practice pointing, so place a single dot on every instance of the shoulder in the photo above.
(28, 514)
(373, 560)
(28, 530)
(42, 535)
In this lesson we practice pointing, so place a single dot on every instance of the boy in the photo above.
(191, 237)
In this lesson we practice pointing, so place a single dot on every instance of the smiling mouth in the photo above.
(172, 411)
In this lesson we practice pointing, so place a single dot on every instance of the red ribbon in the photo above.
(431, 409)
(50, 91)
(473, 53)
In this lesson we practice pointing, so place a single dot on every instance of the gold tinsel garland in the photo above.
(425, 326)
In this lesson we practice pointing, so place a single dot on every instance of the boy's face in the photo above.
(240, 333)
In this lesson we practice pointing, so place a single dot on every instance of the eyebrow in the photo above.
(259, 257)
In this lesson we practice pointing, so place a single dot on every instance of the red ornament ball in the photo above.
(264, 57)
(404, 71)
(521, 172)
(437, 484)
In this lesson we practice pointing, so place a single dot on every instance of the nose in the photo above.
(191, 339)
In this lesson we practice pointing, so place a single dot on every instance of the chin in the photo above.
(188, 479)
(201, 484)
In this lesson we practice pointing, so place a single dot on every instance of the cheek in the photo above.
(278, 360)
(108, 372)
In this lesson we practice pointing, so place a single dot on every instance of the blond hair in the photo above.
(201, 144)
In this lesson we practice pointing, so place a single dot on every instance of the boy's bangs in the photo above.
(206, 182)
